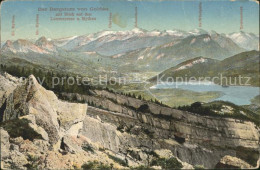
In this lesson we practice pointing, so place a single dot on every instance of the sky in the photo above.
(221, 16)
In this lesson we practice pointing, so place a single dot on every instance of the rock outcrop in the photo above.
(34, 118)
(7, 85)
(196, 139)
(38, 130)
(47, 116)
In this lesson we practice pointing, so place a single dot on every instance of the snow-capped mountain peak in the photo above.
(138, 30)
(245, 40)
(63, 41)
(111, 43)
(104, 33)
(197, 31)
(177, 33)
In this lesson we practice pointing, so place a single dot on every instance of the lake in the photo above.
(239, 95)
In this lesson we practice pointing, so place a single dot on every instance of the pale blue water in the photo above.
(239, 95)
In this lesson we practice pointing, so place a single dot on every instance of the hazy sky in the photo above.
(221, 16)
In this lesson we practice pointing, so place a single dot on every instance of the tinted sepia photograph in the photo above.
(129, 84)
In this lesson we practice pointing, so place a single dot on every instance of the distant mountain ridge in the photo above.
(245, 64)
(114, 42)
(126, 51)
(41, 46)
(110, 43)
(150, 38)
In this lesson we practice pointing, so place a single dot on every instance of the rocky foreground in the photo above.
(40, 131)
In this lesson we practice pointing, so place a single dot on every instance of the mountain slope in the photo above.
(167, 55)
(245, 64)
(198, 66)
(202, 45)
(226, 42)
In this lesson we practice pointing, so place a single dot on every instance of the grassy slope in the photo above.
(245, 64)
(223, 109)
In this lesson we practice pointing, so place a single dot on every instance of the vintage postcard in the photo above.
(129, 84)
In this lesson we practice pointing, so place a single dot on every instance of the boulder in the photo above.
(40, 110)
(230, 162)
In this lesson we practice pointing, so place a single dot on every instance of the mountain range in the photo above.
(135, 49)
(41, 46)
(125, 41)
